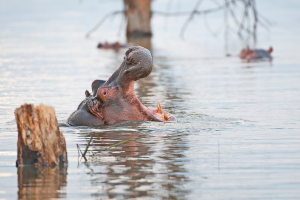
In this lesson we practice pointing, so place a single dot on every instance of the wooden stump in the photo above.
(138, 13)
(40, 142)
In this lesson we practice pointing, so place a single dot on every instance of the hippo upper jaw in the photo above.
(137, 64)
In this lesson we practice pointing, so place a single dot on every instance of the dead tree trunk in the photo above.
(138, 13)
(40, 142)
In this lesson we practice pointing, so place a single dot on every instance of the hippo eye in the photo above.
(104, 93)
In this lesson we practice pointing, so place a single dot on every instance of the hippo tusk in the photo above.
(162, 114)
(166, 116)
(159, 110)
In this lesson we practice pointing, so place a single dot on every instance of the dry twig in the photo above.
(102, 21)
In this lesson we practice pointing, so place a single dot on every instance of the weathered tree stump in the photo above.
(40, 142)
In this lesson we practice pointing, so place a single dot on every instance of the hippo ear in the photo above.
(270, 50)
(248, 49)
(95, 85)
(87, 93)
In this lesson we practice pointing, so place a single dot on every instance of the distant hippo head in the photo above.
(117, 99)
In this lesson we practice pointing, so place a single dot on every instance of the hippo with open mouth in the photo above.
(114, 100)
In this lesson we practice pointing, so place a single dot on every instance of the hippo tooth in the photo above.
(160, 116)
(166, 117)
(159, 110)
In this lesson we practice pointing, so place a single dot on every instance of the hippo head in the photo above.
(242, 54)
(245, 53)
(117, 99)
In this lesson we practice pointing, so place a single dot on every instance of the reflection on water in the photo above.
(154, 164)
(135, 169)
(41, 183)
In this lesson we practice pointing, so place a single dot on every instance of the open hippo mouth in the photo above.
(116, 101)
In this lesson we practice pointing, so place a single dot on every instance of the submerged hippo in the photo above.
(114, 100)
(255, 54)
(116, 46)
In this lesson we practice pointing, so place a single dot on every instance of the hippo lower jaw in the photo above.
(148, 115)
(162, 115)
(145, 114)
(126, 107)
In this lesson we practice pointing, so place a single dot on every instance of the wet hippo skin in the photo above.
(82, 116)
(114, 101)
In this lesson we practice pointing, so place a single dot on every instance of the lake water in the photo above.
(237, 135)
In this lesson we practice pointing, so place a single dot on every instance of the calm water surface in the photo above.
(237, 135)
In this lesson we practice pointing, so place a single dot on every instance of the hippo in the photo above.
(114, 100)
(116, 46)
(255, 54)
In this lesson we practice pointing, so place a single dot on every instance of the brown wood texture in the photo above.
(138, 15)
(40, 142)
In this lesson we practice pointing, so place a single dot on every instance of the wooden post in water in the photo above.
(40, 142)
(138, 13)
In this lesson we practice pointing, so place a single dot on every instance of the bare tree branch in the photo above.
(214, 33)
(198, 13)
(245, 24)
(103, 20)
